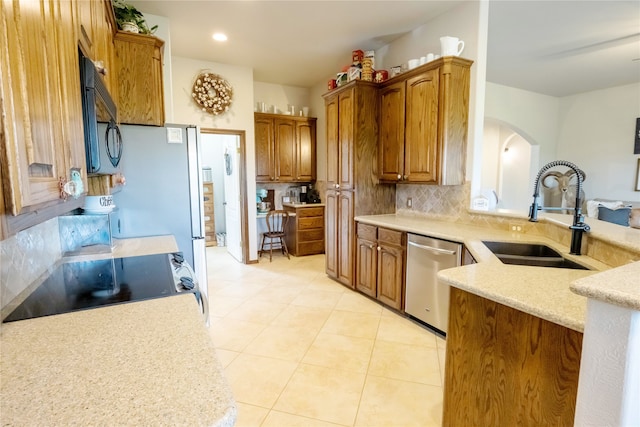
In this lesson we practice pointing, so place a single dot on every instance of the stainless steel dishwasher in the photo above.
(425, 298)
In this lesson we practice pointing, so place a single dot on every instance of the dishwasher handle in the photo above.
(432, 249)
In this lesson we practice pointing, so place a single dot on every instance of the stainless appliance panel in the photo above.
(163, 194)
(426, 298)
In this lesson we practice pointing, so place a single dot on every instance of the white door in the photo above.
(232, 195)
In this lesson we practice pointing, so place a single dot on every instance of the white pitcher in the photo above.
(451, 46)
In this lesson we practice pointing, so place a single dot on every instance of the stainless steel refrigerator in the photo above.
(163, 190)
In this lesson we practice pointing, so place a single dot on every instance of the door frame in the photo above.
(244, 232)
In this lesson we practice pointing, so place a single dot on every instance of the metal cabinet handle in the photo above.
(337, 185)
(431, 249)
(379, 248)
(399, 177)
(370, 246)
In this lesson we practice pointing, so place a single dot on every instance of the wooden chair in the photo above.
(276, 226)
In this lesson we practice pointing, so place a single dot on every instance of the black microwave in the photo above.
(102, 139)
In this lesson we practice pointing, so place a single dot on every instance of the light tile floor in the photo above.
(299, 349)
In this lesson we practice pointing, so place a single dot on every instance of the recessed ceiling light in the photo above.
(220, 37)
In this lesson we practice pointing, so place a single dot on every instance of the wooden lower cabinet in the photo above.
(508, 368)
(305, 231)
(380, 264)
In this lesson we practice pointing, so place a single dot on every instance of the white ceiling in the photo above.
(551, 47)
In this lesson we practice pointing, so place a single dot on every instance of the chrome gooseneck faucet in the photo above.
(578, 227)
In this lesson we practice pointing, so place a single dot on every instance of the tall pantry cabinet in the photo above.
(353, 187)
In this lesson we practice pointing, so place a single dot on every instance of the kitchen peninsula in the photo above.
(515, 332)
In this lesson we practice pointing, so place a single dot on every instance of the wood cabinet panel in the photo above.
(421, 128)
(306, 223)
(346, 145)
(380, 264)
(366, 266)
(391, 137)
(285, 148)
(506, 368)
(306, 212)
(306, 151)
(265, 151)
(423, 124)
(390, 272)
(140, 82)
(333, 120)
(305, 233)
(346, 238)
(331, 233)
(352, 147)
(42, 122)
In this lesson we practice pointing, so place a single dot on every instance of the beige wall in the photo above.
(239, 116)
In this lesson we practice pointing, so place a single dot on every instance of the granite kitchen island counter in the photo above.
(143, 363)
(539, 291)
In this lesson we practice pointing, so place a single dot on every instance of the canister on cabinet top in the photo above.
(356, 57)
(331, 84)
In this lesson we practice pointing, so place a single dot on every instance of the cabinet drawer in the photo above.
(209, 228)
(367, 232)
(207, 188)
(310, 248)
(311, 235)
(312, 222)
(208, 208)
(391, 236)
(306, 212)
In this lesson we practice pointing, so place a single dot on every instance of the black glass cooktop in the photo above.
(88, 284)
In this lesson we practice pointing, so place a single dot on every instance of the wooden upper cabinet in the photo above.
(421, 128)
(140, 82)
(423, 124)
(333, 119)
(40, 89)
(285, 148)
(96, 30)
(347, 145)
(306, 150)
(340, 139)
(265, 150)
(391, 137)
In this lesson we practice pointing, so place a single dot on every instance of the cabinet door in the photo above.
(71, 99)
(285, 150)
(331, 233)
(140, 88)
(390, 273)
(346, 238)
(391, 137)
(346, 139)
(306, 151)
(366, 268)
(332, 113)
(421, 130)
(32, 102)
(264, 150)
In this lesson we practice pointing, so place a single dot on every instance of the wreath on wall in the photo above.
(212, 93)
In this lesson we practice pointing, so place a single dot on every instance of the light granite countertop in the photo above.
(141, 363)
(303, 205)
(543, 292)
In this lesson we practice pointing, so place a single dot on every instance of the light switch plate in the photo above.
(174, 135)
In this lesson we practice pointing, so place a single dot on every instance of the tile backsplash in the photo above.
(443, 202)
(26, 256)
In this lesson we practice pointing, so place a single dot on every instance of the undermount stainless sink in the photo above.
(531, 254)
